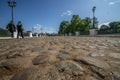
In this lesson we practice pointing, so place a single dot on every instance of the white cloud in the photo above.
(114, 2)
(110, 2)
(37, 27)
(67, 13)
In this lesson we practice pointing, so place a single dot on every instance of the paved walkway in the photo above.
(5, 37)
(10, 37)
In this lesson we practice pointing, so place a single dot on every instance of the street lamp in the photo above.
(12, 4)
(93, 10)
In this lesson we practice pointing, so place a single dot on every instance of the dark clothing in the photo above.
(11, 28)
(20, 31)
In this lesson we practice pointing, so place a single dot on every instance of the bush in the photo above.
(3, 32)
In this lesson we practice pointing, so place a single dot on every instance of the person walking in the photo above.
(19, 29)
(11, 28)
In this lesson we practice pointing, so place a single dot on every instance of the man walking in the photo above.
(11, 28)
(19, 29)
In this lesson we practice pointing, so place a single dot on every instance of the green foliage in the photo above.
(3, 32)
(64, 25)
(104, 29)
(87, 22)
(76, 24)
(114, 27)
(95, 25)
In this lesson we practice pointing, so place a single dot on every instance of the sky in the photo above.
(47, 14)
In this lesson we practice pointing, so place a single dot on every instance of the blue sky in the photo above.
(49, 13)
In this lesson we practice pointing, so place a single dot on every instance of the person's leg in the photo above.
(11, 33)
(22, 34)
(18, 34)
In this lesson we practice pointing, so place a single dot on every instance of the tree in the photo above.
(3, 32)
(115, 27)
(87, 24)
(74, 23)
(81, 26)
(64, 27)
(95, 25)
(104, 29)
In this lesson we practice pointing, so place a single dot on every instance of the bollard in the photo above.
(93, 32)
(70, 34)
(15, 34)
(30, 34)
(77, 33)
(36, 35)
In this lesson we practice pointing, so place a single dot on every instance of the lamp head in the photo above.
(14, 3)
(9, 3)
(93, 9)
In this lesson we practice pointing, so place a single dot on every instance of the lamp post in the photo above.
(12, 4)
(93, 10)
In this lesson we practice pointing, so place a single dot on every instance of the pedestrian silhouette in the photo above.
(11, 28)
(19, 29)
